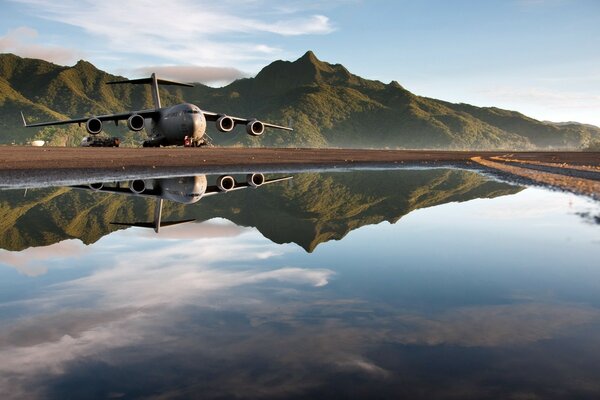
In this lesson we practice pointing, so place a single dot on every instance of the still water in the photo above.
(366, 284)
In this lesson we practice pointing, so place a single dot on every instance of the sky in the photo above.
(539, 57)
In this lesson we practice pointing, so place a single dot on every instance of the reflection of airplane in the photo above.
(185, 190)
(177, 125)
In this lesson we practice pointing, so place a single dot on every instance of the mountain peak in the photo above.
(310, 57)
(84, 65)
(306, 70)
(310, 62)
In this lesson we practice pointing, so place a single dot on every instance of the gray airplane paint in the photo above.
(175, 123)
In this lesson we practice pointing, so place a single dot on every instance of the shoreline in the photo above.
(24, 166)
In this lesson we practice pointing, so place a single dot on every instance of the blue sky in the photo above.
(540, 57)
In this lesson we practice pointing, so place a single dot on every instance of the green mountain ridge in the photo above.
(329, 106)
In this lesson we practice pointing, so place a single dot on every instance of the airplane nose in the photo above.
(198, 125)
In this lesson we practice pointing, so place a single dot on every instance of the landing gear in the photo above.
(147, 143)
(192, 142)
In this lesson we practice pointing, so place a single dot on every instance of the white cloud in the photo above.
(20, 41)
(183, 31)
(206, 75)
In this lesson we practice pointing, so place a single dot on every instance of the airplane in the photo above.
(183, 190)
(182, 124)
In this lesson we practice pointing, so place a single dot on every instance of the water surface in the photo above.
(366, 284)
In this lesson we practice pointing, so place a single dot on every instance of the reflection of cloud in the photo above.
(33, 261)
(363, 365)
(180, 277)
(215, 228)
(134, 299)
(500, 325)
(53, 328)
(220, 313)
(19, 41)
(534, 203)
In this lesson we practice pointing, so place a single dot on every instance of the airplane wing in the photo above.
(109, 117)
(213, 189)
(211, 116)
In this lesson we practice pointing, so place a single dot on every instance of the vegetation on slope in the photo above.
(328, 105)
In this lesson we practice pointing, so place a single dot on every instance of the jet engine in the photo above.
(225, 183)
(255, 128)
(137, 186)
(225, 123)
(135, 122)
(93, 126)
(96, 186)
(255, 180)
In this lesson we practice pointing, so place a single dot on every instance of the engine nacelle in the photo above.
(135, 122)
(255, 180)
(225, 183)
(93, 126)
(96, 186)
(137, 186)
(255, 128)
(225, 123)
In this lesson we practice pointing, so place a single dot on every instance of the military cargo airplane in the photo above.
(184, 190)
(182, 124)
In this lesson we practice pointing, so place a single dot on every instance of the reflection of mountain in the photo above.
(310, 209)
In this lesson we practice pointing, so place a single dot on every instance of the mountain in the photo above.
(329, 106)
(312, 208)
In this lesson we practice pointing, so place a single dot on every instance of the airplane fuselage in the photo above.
(176, 123)
(184, 190)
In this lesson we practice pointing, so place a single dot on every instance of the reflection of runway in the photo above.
(583, 179)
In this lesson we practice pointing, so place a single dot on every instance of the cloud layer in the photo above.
(20, 41)
(206, 75)
(184, 32)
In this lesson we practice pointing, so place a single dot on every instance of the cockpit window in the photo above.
(193, 111)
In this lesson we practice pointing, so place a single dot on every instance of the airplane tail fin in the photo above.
(157, 224)
(153, 81)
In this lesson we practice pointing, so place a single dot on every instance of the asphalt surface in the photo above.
(15, 158)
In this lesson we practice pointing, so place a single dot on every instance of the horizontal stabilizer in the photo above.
(152, 225)
(149, 80)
